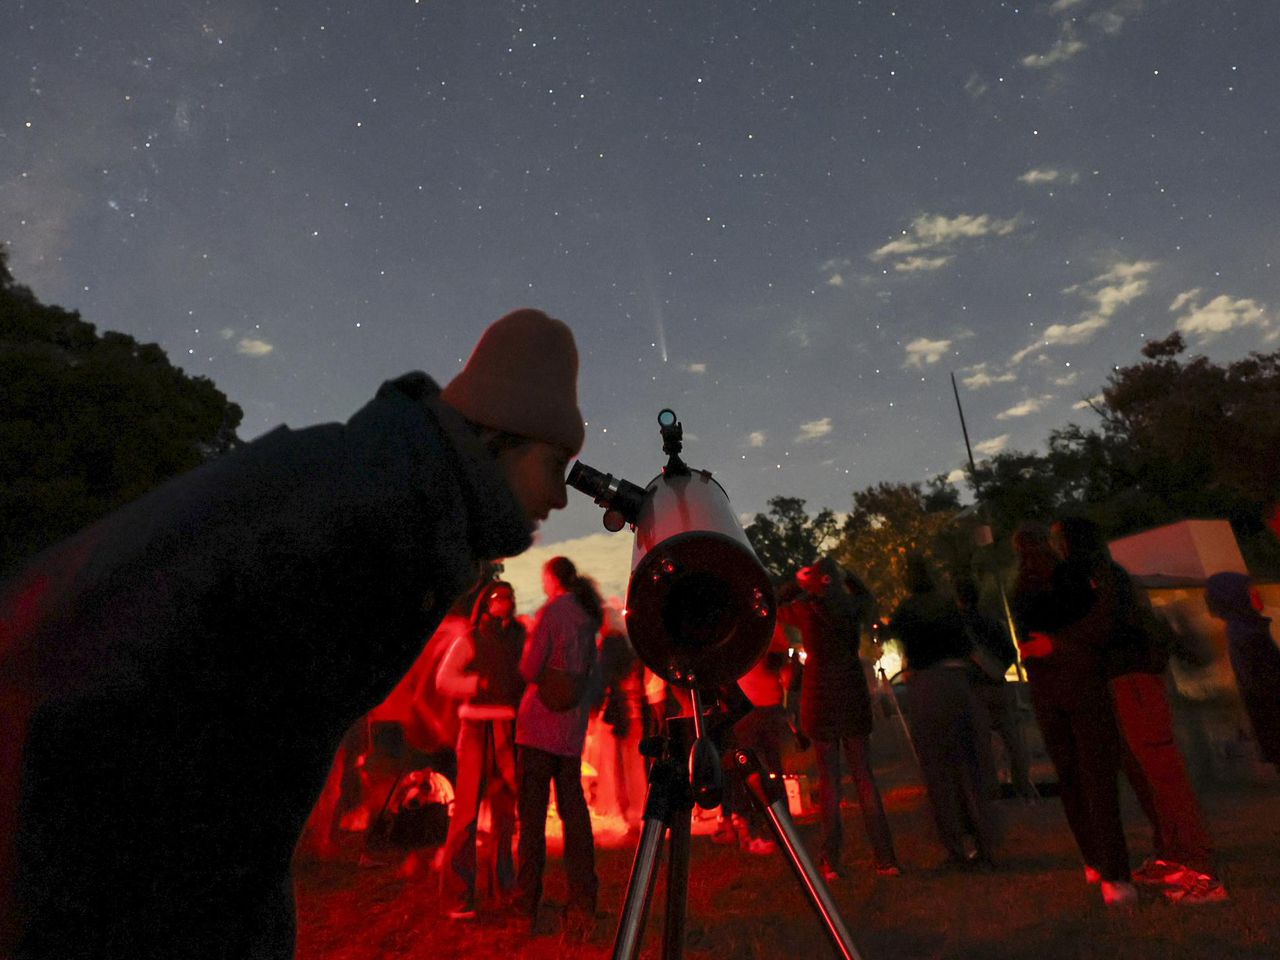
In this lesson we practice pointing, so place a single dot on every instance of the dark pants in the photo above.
(486, 768)
(855, 750)
(1083, 741)
(949, 740)
(999, 700)
(760, 731)
(538, 770)
(1154, 766)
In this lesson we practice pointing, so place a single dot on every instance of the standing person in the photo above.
(1115, 623)
(835, 705)
(993, 654)
(614, 733)
(560, 664)
(1073, 708)
(1255, 660)
(198, 655)
(949, 733)
(763, 731)
(482, 669)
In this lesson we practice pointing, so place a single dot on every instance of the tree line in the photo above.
(89, 421)
(1177, 437)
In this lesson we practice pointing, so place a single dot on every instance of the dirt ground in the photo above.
(1035, 905)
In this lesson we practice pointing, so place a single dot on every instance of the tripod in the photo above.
(674, 786)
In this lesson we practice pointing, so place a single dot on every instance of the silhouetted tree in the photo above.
(787, 538)
(890, 521)
(1177, 439)
(88, 421)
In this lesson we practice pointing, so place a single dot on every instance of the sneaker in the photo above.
(725, 833)
(1159, 873)
(1117, 893)
(462, 911)
(1197, 889)
(759, 845)
(830, 871)
(1093, 877)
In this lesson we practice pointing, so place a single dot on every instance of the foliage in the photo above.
(787, 538)
(88, 421)
(1177, 439)
(889, 521)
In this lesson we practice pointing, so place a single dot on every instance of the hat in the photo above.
(522, 378)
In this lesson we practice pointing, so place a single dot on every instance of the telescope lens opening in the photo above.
(666, 417)
(699, 611)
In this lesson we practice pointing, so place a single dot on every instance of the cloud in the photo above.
(917, 264)
(1059, 5)
(1220, 315)
(928, 232)
(1065, 48)
(1041, 175)
(814, 430)
(1025, 408)
(957, 476)
(989, 448)
(975, 86)
(696, 368)
(1107, 292)
(757, 438)
(833, 268)
(922, 351)
(1088, 403)
(980, 378)
(253, 347)
(1066, 380)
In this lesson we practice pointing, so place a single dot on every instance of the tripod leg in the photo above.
(658, 810)
(673, 929)
(768, 795)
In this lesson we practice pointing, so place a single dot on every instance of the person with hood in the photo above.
(561, 667)
(196, 657)
(949, 733)
(1116, 621)
(1255, 659)
(835, 704)
(1073, 709)
(482, 669)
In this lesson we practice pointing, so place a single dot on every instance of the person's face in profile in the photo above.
(535, 472)
(502, 604)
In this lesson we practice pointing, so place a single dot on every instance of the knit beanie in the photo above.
(522, 378)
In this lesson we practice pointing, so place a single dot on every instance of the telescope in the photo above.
(700, 608)
(700, 613)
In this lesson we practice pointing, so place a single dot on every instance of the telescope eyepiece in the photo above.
(620, 498)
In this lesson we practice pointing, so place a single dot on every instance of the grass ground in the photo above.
(1036, 905)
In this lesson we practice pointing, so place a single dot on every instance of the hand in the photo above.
(1038, 645)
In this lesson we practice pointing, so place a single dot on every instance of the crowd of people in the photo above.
(1094, 655)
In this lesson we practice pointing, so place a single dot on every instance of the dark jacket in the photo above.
(834, 699)
(1061, 606)
(176, 677)
(931, 630)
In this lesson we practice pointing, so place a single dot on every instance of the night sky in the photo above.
(789, 221)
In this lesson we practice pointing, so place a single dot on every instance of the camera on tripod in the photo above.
(700, 608)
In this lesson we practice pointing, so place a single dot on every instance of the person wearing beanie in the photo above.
(482, 670)
(198, 654)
